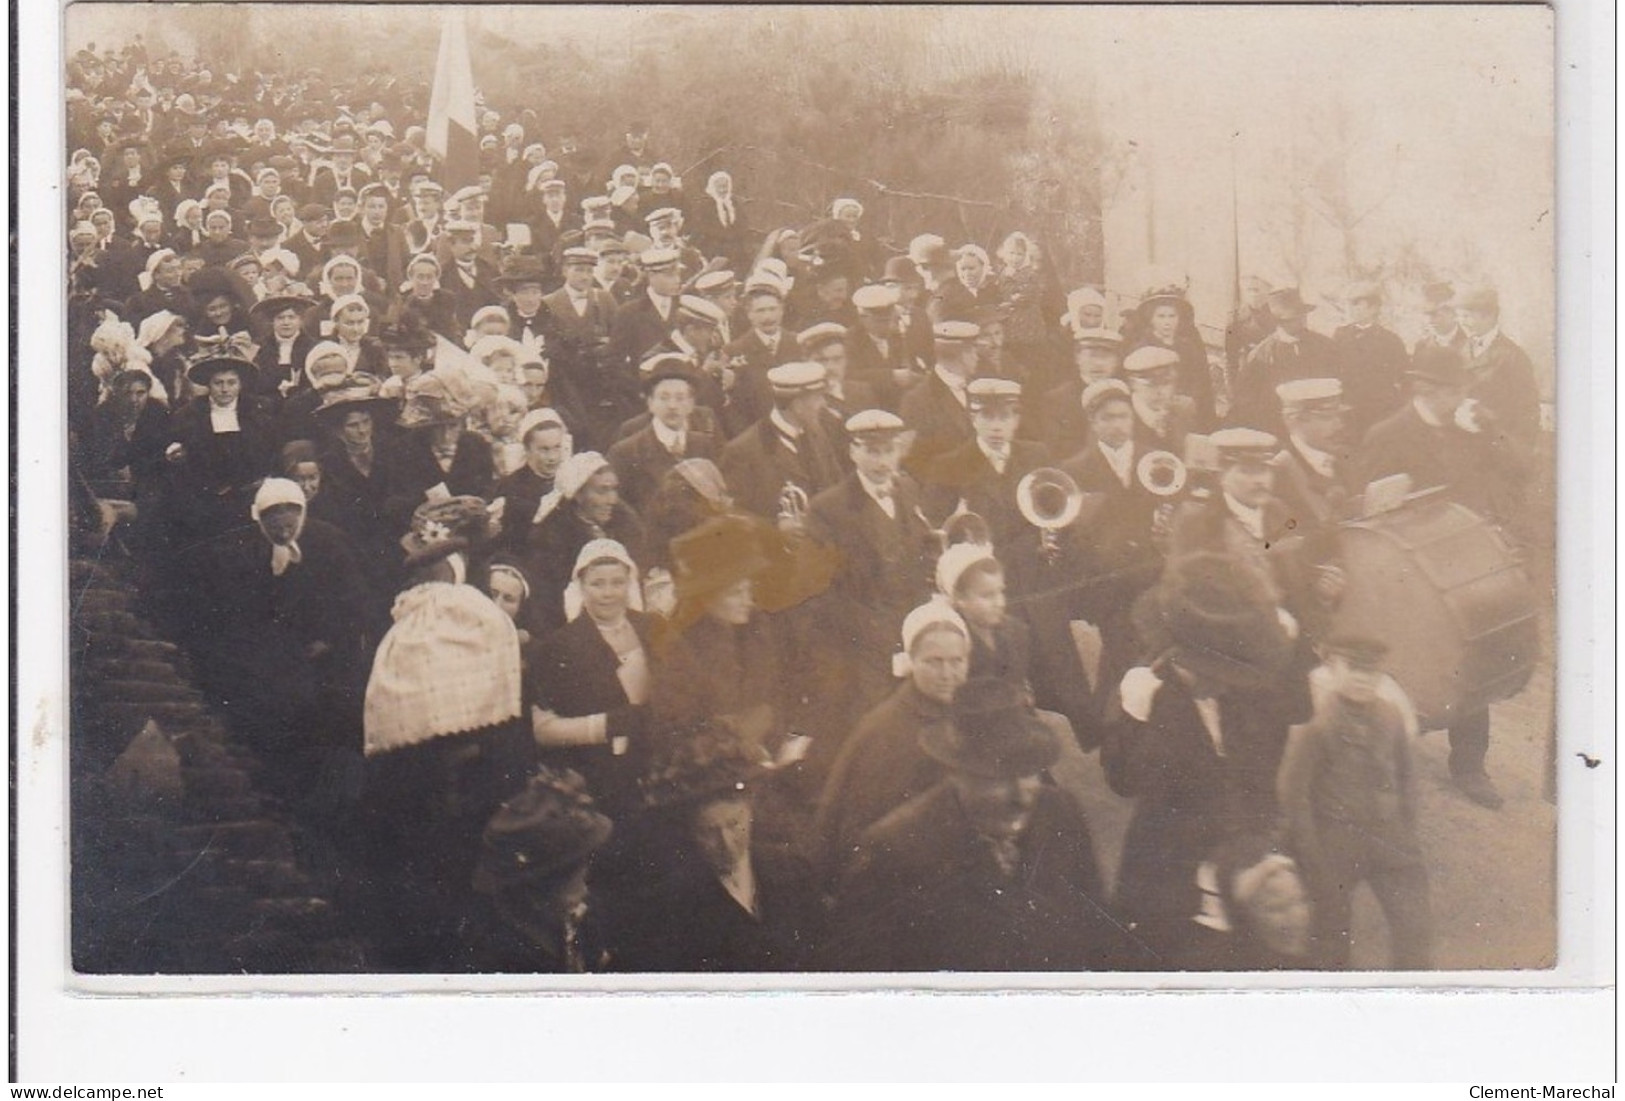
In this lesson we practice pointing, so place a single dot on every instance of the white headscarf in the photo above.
(320, 352)
(955, 561)
(597, 551)
(154, 326)
(935, 612)
(981, 254)
(273, 492)
(545, 415)
(145, 278)
(326, 286)
(725, 205)
(841, 204)
(574, 472)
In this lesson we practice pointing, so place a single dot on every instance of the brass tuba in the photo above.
(1049, 500)
(793, 504)
(1162, 473)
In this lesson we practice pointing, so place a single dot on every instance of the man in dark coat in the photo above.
(993, 869)
(826, 344)
(887, 554)
(468, 277)
(876, 348)
(1313, 471)
(1503, 379)
(1439, 443)
(551, 222)
(1244, 520)
(580, 320)
(1196, 739)
(984, 473)
(1163, 417)
(695, 337)
(647, 320)
(1249, 325)
(342, 172)
(1439, 440)
(643, 458)
(1058, 420)
(1291, 351)
(937, 408)
(1126, 532)
(1371, 360)
(753, 354)
(790, 446)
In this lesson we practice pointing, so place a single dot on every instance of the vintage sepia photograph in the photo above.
(812, 491)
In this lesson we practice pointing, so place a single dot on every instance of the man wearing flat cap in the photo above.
(887, 554)
(1163, 417)
(752, 354)
(552, 218)
(1058, 420)
(878, 352)
(938, 408)
(1244, 519)
(648, 319)
(1314, 468)
(1291, 351)
(469, 277)
(992, 869)
(791, 446)
(1371, 359)
(984, 472)
(826, 344)
(578, 321)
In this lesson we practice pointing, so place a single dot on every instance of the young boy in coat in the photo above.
(1347, 787)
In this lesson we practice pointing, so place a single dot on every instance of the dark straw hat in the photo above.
(994, 735)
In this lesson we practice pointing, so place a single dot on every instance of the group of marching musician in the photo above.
(608, 585)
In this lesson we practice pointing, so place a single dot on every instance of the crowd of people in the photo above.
(610, 581)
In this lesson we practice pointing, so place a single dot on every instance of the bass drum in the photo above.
(1447, 592)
